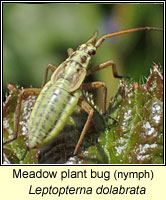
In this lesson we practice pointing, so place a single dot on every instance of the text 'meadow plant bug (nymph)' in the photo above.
(59, 96)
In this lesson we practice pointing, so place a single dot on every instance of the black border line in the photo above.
(100, 2)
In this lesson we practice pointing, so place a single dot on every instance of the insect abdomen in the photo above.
(50, 113)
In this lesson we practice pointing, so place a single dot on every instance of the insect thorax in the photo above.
(72, 71)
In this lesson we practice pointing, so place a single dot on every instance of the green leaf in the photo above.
(137, 136)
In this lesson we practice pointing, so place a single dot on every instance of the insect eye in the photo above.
(91, 52)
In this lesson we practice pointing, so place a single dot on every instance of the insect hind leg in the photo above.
(87, 108)
(22, 95)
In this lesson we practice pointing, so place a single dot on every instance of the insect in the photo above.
(59, 96)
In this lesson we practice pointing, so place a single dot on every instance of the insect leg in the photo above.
(23, 95)
(49, 67)
(87, 108)
(105, 65)
(95, 85)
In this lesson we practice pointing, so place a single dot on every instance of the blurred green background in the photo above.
(35, 35)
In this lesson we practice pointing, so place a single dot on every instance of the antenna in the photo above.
(101, 40)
